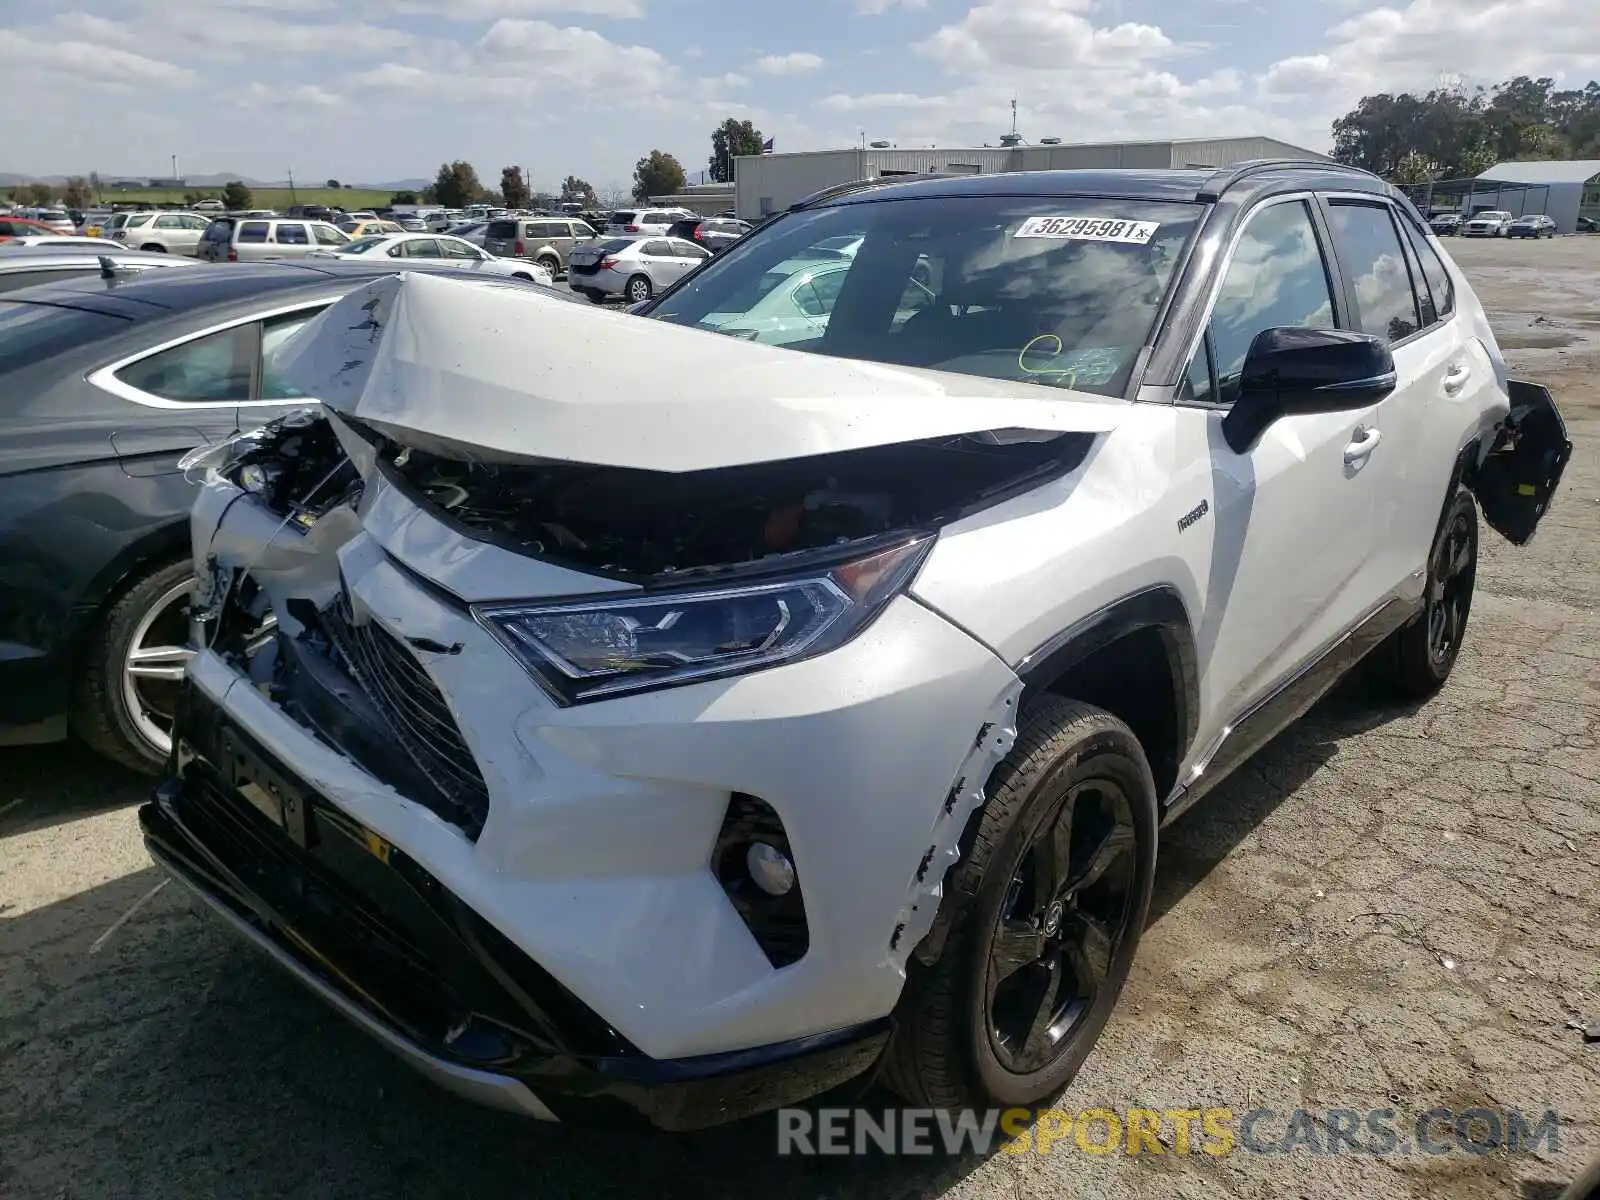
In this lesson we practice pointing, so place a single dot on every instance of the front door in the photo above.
(1293, 517)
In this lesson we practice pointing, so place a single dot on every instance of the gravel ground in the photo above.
(1384, 910)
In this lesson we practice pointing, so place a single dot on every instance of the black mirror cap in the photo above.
(1294, 370)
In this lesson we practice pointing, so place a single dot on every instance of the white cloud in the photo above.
(483, 10)
(1046, 35)
(873, 8)
(261, 95)
(797, 63)
(89, 64)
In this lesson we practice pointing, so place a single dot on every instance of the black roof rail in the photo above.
(859, 185)
(1226, 177)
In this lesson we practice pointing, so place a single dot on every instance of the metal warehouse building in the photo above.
(768, 183)
(1571, 188)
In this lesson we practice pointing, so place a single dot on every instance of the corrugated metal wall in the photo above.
(1220, 152)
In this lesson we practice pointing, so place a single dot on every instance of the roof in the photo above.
(1576, 170)
(1122, 183)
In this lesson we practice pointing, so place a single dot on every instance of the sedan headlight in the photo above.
(638, 641)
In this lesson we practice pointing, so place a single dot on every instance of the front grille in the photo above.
(413, 706)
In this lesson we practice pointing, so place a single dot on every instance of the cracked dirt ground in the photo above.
(1295, 958)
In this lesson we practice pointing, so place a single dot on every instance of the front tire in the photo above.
(1051, 900)
(1417, 659)
(154, 247)
(133, 665)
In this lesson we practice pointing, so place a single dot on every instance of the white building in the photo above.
(1562, 190)
(769, 183)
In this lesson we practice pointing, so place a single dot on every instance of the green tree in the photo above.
(513, 188)
(40, 193)
(235, 195)
(456, 185)
(578, 191)
(76, 192)
(333, 184)
(403, 198)
(657, 174)
(94, 184)
(728, 141)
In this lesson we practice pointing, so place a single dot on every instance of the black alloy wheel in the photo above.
(1064, 919)
(1417, 658)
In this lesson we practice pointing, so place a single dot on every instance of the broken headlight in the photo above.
(634, 642)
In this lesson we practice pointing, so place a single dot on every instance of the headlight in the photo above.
(639, 641)
(224, 455)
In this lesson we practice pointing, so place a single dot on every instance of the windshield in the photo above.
(362, 245)
(1058, 291)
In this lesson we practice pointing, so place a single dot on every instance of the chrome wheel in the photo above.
(158, 653)
(1450, 581)
(1063, 919)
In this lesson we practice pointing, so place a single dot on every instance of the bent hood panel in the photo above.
(500, 372)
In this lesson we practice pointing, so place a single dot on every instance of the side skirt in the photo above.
(1269, 716)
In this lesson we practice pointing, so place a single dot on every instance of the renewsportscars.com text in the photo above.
(1213, 1131)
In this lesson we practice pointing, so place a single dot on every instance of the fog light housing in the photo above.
(755, 865)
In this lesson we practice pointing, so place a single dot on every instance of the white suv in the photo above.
(659, 719)
(645, 220)
(168, 232)
(1487, 224)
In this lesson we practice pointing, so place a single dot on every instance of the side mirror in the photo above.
(1291, 370)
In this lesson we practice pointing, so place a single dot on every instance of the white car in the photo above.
(671, 722)
(54, 218)
(168, 232)
(635, 267)
(1487, 224)
(798, 300)
(645, 220)
(51, 241)
(437, 247)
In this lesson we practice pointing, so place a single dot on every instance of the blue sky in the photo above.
(387, 89)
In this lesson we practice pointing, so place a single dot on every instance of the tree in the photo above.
(657, 174)
(578, 191)
(38, 193)
(76, 193)
(236, 196)
(513, 188)
(403, 198)
(94, 183)
(333, 184)
(728, 141)
(456, 185)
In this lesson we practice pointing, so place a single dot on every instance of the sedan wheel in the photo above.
(157, 654)
(638, 289)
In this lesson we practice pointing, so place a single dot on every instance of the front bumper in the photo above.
(369, 930)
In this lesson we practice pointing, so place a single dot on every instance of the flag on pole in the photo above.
(766, 146)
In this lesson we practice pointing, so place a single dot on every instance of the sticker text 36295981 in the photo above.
(1089, 229)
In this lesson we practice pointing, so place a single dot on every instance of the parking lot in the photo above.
(1385, 909)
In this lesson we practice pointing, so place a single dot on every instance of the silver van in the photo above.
(547, 241)
(235, 239)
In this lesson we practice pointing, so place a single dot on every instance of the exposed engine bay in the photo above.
(648, 523)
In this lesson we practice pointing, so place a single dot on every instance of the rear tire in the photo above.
(1416, 659)
(975, 1029)
(110, 712)
(638, 290)
(553, 265)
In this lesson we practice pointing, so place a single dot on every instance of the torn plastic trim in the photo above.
(923, 923)
(1518, 477)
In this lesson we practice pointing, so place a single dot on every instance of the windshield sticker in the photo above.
(1089, 229)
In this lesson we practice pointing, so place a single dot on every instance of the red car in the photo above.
(11, 227)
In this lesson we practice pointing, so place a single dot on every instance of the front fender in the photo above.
(1519, 475)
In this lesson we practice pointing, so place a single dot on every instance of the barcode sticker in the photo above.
(1089, 229)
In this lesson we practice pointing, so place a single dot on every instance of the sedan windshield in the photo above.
(1058, 291)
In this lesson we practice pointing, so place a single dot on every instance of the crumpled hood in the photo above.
(501, 372)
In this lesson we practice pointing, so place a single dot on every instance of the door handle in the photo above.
(1361, 446)
(1456, 378)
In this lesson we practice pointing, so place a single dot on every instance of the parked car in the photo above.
(55, 219)
(548, 241)
(230, 239)
(26, 266)
(162, 232)
(714, 233)
(653, 220)
(107, 384)
(1532, 227)
(795, 304)
(1487, 224)
(475, 232)
(1588, 225)
(892, 650)
(49, 240)
(11, 227)
(208, 206)
(1446, 224)
(634, 268)
(370, 227)
(441, 249)
(411, 224)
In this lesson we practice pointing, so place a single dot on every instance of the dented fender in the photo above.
(1519, 473)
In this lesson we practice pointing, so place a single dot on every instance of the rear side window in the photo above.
(214, 369)
(32, 333)
(622, 218)
(292, 235)
(504, 230)
(657, 249)
(1368, 247)
(253, 231)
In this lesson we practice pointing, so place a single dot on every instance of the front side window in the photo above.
(327, 235)
(685, 249)
(455, 248)
(1441, 291)
(214, 368)
(1059, 291)
(656, 250)
(420, 248)
(169, 223)
(1276, 278)
(1368, 246)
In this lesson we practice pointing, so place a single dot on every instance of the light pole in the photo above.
(174, 168)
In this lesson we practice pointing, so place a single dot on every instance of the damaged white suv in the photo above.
(660, 723)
